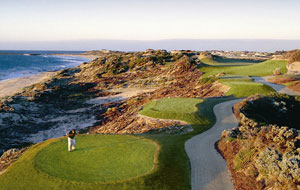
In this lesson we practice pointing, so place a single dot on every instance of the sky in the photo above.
(42, 21)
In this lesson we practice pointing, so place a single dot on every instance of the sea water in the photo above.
(15, 64)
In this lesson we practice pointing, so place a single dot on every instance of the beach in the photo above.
(12, 86)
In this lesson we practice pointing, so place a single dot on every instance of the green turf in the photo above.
(244, 86)
(185, 109)
(172, 168)
(260, 69)
(97, 159)
(237, 77)
(228, 62)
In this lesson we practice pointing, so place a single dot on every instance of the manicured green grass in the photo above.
(228, 61)
(244, 87)
(98, 159)
(260, 69)
(174, 166)
(185, 109)
(171, 172)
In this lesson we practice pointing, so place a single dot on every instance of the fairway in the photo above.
(237, 77)
(221, 61)
(259, 69)
(97, 159)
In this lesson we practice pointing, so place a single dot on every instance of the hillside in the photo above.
(46, 106)
(165, 97)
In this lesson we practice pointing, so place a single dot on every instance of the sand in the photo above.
(125, 93)
(12, 86)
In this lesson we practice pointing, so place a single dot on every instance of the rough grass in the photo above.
(185, 109)
(97, 160)
(261, 69)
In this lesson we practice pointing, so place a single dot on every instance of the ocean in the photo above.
(15, 64)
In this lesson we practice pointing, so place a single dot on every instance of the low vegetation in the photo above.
(262, 152)
(279, 109)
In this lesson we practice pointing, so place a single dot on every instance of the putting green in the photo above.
(97, 158)
(185, 109)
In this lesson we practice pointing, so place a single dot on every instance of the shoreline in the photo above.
(91, 57)
(10, 87)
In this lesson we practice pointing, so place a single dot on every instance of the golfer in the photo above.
(71, 140)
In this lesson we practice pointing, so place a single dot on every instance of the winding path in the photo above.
(208, 169)
(279, 88)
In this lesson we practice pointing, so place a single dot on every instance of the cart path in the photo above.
(208, 169)
(278, 87)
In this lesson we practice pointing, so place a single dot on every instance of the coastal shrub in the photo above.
(267, 162)
(243, 157)
(275, 108)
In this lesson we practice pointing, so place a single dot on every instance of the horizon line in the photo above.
(145, 40)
